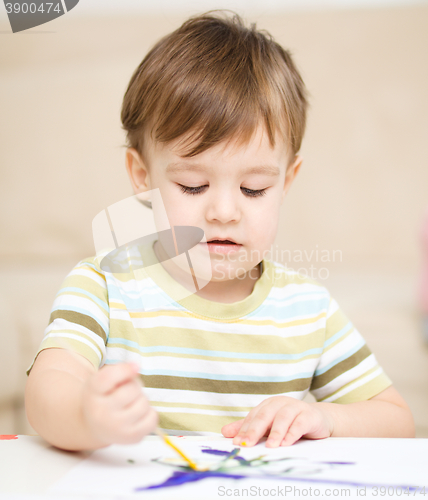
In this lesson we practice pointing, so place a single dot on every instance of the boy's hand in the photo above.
(114, 406)
(283, 419)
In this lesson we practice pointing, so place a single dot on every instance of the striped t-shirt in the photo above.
(203, 363)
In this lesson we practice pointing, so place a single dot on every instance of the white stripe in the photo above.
(59, 325)
(212, 399)
(183, 364)
(345, 344)
(74, 337)
(124, 356)
(334, 306)
(226, 328)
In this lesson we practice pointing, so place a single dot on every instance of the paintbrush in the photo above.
(168, 441)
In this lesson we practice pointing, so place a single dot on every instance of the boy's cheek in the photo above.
(179, 215)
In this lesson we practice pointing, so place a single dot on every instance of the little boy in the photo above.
(215, 116)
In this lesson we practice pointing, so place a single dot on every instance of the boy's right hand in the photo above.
(114, 406)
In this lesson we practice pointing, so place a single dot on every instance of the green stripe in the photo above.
(224, 386)
(80, 319)
(342, 367)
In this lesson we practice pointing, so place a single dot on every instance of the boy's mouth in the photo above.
(222, 246)
(223, 242)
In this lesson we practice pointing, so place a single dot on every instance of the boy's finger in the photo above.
(110, 377)
(266, 411)
(255, 427)
(250, 417)
(296, 430)
(283, 421)
(230, 430)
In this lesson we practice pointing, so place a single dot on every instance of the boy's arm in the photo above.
(285, 420)
(53, 399)
(384, 415)
(76, 407)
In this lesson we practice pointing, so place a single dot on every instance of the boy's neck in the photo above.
(229, 291)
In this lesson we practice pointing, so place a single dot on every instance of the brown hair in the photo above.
(216, 79)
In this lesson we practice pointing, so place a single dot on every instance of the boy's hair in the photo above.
(214, 79)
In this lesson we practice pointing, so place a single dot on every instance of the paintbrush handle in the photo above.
(168, 441)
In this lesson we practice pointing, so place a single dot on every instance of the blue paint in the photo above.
(187, 475)
(338, 463)
(227, 454)
(183, 477)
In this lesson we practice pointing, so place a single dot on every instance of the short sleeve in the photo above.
(347, 371)
(79, 318)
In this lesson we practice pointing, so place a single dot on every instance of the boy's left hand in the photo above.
(284, 420)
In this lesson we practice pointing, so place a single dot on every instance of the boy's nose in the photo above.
(223, 208)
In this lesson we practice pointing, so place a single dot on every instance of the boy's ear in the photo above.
(292, 170)
(137, 171)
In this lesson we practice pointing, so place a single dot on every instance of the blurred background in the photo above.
(352, 220)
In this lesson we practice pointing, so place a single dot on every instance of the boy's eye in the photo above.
(253, 192)
(199, 189)
(192, 190)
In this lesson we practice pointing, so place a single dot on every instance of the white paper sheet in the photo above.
(375, 466)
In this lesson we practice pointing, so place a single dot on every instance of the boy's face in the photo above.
(232, 192)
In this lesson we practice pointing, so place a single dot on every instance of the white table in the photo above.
(29, 466)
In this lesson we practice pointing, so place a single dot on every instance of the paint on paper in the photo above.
(231, 465)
